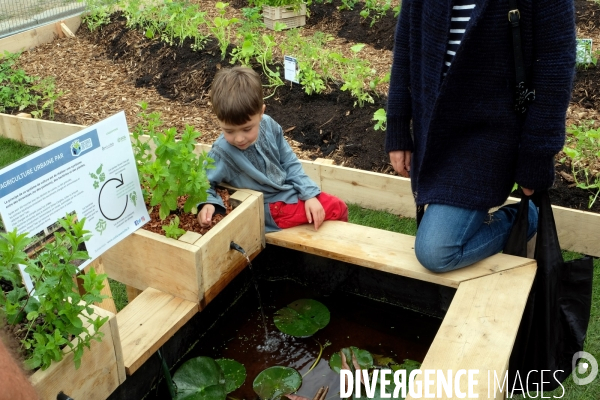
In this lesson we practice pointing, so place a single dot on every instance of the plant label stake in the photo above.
(291, 69)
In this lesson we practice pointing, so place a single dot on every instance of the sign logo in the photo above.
(588, 367)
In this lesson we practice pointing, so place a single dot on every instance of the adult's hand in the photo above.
(527, 192)
(400, 160)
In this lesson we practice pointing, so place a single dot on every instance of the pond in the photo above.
(239, 333)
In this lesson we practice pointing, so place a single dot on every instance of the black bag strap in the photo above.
(524, 96)
(514, 18)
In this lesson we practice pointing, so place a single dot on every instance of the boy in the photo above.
(252, 153)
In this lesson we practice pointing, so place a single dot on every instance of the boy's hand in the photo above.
(205, 215)
(314, 212)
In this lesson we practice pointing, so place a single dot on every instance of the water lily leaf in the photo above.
(235, 373)
(408, 365)
(302, 318)
(363, 358)
(200, 378)
(274, 382)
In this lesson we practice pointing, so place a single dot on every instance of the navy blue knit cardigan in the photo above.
(469, 146)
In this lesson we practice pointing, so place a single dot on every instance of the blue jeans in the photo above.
(450, 237)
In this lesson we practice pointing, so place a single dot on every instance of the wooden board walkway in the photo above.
(382, 250)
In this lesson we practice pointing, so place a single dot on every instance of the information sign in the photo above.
(91, 174)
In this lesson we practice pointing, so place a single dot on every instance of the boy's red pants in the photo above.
(289, 215)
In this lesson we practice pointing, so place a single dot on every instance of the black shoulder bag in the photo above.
(556, 317)
(523, 95)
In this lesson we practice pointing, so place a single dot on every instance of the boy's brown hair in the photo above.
(236, 95)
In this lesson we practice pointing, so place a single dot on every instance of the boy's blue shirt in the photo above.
(282, 179)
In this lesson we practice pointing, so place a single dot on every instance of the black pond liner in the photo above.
(384, 313)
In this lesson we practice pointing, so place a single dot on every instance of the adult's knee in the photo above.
(434, 257)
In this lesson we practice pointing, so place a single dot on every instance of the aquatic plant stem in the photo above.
(167, 375)
(317, 359)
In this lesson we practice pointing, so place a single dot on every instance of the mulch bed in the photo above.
(113, 69)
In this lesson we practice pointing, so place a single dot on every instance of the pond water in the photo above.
(239, 334)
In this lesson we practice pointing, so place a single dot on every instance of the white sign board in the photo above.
(291, 70)
(91, 174)
(583, 52)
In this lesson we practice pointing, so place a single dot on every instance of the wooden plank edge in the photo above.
(424, 275)
(192, 309)
(37, 36)
(427, 363)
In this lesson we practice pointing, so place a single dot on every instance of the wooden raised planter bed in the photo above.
(195, 267)
(101, 371)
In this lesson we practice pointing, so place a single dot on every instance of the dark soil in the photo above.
(326, 125)
(187, 221)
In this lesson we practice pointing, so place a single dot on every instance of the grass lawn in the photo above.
(11, 151)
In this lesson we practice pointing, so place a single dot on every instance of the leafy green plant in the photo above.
(583, 150)
(58, 313)
(222, 27)
(173, 230)
(172, 169)
(314, 69)
(348, 4)
(375, 9)
(19, 91)
(98, 13)
(355, 73)
(265, 57)
(380, 118)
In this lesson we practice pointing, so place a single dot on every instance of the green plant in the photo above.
(205, 378)
(19, 91)
(173, 230)
(348, 4)
(98, 13)
(583, 150)
(58, 313)
(376, 9)
(172, 169)
(265, 57)
(275, 382)
(381, 119)
(222, 27)
(302, 318)
(355, 73)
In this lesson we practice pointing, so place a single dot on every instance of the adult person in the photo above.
(13, 382)
(452, 82)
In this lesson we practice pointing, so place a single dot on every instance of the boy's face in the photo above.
(242, 136)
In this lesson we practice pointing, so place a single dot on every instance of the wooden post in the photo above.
(65, 30)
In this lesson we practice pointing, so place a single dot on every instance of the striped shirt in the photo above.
(461, 14)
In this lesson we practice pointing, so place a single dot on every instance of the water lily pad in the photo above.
(274, 382)
(235, 373)
(363, 358)
(200, 378)
(302, 318)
